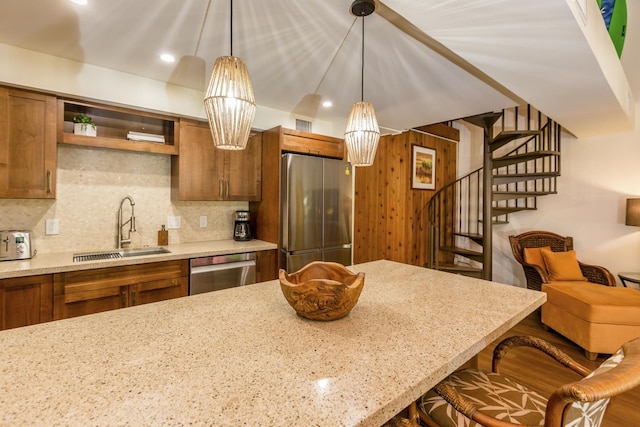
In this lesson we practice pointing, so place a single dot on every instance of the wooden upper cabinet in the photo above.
(202, 172)
(27, 145)
(195, 172)
(243, 171)
(296, 141)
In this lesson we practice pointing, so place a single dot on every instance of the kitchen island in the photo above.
(243, 357)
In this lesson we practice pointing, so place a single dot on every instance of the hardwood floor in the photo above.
(542, 374)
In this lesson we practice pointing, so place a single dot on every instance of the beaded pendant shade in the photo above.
(229, 102)
(362, 133)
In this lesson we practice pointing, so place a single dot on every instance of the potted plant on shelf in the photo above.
(83, 125)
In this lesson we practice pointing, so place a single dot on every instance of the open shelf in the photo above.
(114, 123)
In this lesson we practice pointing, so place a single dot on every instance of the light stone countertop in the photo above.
(48, 263)
(242, 356)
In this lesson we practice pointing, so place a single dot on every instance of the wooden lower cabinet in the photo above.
(26, 301)
(83, 292)
(266, 267)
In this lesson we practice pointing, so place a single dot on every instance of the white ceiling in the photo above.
(425, 61)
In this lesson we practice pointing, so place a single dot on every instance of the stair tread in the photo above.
(533, 154)
(467, 271)
(461, 251)
(510, 195)
(474, 236)
(495, 211)
(505, 137)
(501, 179)
(496, 222)
(459, 267)
(532, 193)
(520, 158)
(536, 175)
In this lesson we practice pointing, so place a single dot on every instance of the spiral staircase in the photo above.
(522, 151)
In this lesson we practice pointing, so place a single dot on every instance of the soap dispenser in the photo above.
(163, 236)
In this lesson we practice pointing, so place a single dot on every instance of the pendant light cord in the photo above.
(204, 21)
(231, 27)
(335, 55)
(362, 70)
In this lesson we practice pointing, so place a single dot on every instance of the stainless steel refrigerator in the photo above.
(316, 211)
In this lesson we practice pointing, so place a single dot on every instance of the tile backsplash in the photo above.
(91, 182)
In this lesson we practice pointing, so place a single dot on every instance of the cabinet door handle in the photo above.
(226, 196)
(220, 189)
(134, 297)
(48, 182)
(124, 298)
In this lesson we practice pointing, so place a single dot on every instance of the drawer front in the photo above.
(159, 290)
(78, 293)
(100, 278)
(81, 303)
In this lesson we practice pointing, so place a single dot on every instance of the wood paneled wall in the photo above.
(390, 219)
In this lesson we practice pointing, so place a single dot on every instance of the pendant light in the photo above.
(229, 101)
(362, 133)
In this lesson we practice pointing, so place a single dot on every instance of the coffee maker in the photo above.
(241, 228)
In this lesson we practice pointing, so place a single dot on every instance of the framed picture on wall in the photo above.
(423, 169)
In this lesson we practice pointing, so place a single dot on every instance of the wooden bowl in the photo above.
(322, 290)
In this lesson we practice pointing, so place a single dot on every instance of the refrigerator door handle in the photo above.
(345, 246)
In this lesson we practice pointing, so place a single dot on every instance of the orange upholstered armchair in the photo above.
(537, 275)
(597, 318)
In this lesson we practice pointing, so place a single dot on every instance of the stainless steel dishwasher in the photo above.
(221, 272)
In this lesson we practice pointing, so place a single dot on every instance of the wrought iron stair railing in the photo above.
(460, 241)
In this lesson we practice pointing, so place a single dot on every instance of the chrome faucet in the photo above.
(131, 221)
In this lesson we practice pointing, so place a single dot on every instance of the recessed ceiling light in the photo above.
(167, 57)
(327, 104)
(81, 2)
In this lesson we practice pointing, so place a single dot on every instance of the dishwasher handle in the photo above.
(220, 267)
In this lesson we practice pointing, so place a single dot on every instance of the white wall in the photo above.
(597, 176)
(29, 69)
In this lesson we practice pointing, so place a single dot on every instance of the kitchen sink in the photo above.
(121, 253)
(143, 251)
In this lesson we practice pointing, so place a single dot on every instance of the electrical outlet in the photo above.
(203, 221)
(52, 226)
(173, 222)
